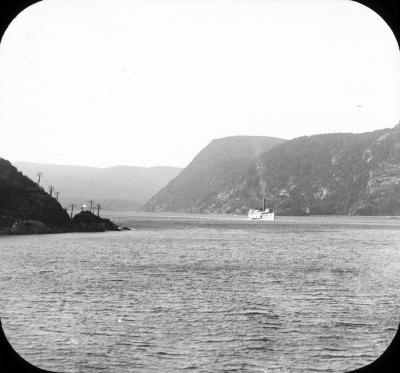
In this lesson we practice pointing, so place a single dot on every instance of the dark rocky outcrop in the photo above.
(26, 208)
(22, 199)
(85, 221)
(33, 227)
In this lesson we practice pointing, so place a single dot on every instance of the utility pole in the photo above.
(98, 209)
(57, 193)
(72, 205)
(91, 206)
(39, 175)
(51, 189)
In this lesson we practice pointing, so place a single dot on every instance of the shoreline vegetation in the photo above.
(26, 208)
(85, 221)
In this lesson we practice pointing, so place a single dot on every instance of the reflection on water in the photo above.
(215, 294)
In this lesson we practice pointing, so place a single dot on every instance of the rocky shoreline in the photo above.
(26, 208)
(85, 221)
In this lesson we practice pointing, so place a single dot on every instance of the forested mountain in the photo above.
(342, 173)
(218, 167)
(22, 199)
(26, 208)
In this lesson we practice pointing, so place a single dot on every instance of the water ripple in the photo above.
(204, 295)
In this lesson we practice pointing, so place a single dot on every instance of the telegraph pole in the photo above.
(72, 205)
(39, 175)
(91, 206)
(57, 193)
(51, 189)
(98, 209)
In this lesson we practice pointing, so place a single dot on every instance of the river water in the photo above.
(204, 294)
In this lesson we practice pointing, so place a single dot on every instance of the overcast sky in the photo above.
(145, 83)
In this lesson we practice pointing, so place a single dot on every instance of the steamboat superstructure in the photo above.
(265, 213)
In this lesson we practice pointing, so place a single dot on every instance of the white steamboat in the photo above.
(264, 214)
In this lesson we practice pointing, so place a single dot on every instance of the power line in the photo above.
(72, 205)
(39, 175)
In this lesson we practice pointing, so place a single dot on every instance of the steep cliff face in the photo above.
(342, 173)
(355, 174)
(218, 167)
(22, 199)
(323, 174)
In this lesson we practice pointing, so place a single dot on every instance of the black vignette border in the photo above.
(10, 360)
(389, 361)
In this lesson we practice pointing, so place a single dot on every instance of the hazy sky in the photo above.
(107, 82)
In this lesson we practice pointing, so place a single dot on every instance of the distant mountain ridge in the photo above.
(219, 166)
(116, 188)
(340, 173)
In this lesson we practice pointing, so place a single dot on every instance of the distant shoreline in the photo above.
(227, 216)
(129, 218)
(42, 228)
